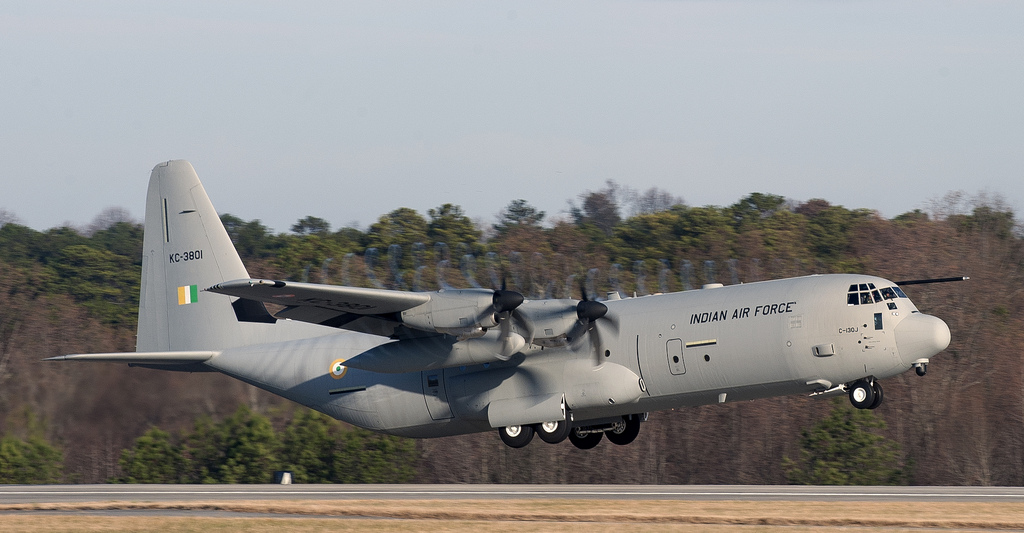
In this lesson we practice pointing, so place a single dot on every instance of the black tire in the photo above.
(878, 395)
(862, 394)
(516, 436)
(627, 433)
(585, 442)
(551, 432)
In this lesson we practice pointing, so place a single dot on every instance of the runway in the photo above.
(20, 494)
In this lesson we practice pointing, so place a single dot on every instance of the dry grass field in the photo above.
(513, 516)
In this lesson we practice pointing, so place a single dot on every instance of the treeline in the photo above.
(73, 291)
(245, 448)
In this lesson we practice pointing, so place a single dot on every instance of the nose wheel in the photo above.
(866, 394)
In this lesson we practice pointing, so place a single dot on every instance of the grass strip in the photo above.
(937, 515)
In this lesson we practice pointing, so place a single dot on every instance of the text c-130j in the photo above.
(460, 361)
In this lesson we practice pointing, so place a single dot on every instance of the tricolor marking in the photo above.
(189, 294)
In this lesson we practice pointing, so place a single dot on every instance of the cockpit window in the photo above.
(866, 294)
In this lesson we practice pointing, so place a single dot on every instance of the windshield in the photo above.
(866, 294)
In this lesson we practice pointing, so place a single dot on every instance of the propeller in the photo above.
(505, 303)
(588, 312)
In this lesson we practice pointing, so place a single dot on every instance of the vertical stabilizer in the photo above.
(185, 249)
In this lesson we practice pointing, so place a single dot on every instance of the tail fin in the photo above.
(186, 249)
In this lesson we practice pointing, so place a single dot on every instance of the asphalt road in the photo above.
(12, 494)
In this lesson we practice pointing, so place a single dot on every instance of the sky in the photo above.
(349, 110)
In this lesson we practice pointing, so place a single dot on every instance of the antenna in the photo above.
(937, 280)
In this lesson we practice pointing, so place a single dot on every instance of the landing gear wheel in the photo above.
(625, 432)
(878, 395)
(516, 436)
(862, 394)
(584, 442)
(552, 432)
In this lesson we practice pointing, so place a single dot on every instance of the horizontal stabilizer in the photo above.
(162, 358)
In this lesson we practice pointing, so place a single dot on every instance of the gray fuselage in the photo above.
(722, 344)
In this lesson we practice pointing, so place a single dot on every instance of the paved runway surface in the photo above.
(12, 494)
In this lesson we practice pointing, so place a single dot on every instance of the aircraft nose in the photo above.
(921, 336)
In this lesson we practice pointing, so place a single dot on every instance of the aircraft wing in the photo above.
(360, 309)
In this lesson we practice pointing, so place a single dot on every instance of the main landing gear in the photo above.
(519, 436)
(620, 432)
(866, 394)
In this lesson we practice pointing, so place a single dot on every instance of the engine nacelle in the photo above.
(550, 321)
(413, 355)
(464, 313)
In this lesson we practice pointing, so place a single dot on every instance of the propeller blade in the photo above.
(505, 303)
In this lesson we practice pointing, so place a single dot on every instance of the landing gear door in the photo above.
(435, 396)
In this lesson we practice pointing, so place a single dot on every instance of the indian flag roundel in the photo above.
(338, 369)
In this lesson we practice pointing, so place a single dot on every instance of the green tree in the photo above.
(755, 207)
(105, 283)
(599, 209)
(240, 449)
(706, 231)
(518, 214)
(311, 226)
(845, 449)
(307, 447)
(367, 457)
(403, 226)
(203, 450)
(449, 224)
(251, 239)
(830, 229)
(250, 448)
(152, 459)
(31, 460)
(319, 449)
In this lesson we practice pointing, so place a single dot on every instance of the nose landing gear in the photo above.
(866, 394)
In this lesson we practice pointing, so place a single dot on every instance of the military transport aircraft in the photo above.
(432, 364)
